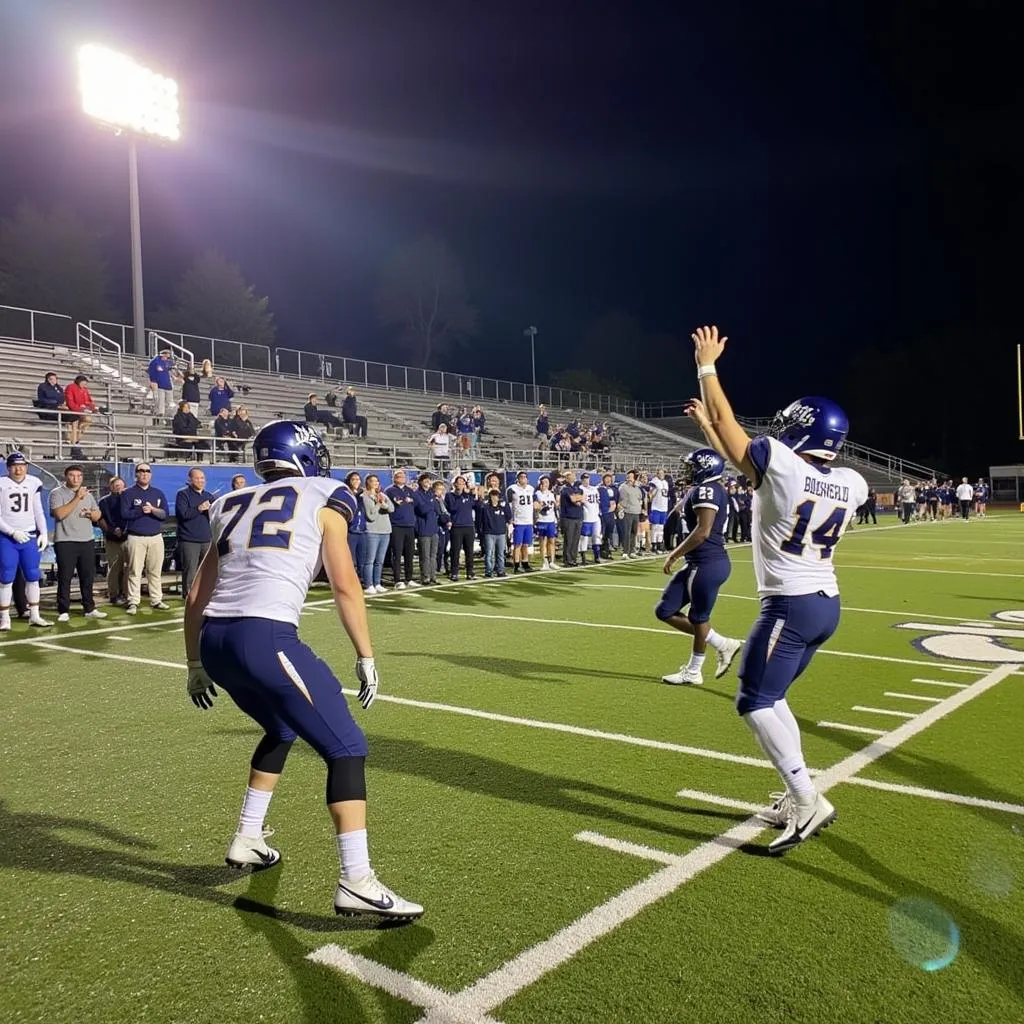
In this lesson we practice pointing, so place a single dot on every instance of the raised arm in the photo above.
(721, 429)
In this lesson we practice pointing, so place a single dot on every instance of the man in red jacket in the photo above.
(80, 404)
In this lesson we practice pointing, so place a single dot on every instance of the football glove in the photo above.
(42, 541)
(366, 673)
(19, 536)
(200, 686)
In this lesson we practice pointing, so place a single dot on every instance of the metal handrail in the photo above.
(94, 342)
(32, 314)
(157, 341)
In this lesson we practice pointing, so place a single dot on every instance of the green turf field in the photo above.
(578, 832)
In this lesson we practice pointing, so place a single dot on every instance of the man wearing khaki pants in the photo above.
(144, 509)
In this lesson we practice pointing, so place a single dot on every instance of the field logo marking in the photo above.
(974, 641)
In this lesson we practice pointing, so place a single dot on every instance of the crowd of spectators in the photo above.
(572, 438)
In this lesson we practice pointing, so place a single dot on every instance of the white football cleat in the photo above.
(245, 851)
(5, 622)
(777, 814)
(371, 896)
(727, 656)
(684, 677)
(805, 820)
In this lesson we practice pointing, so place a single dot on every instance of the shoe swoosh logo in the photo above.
(385, 904)
(267, 858)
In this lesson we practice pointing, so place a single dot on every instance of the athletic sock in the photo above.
(788, 719)
(716, 640)
(696, 662)
(7, 595)
(783, 751)
(254, 811)
(353, 854)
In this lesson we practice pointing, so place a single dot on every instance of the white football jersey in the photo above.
(659, 495)
(591, 505)
(800, 512)
(21, 505)
(268, 541)
(547, 502)
(521, 500)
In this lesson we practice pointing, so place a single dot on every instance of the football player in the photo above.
(241, 620)
(801, 507)
(590, 533)
(704, 510)
(658, 492)
(545, 504)
(23, 537)
(520, 497)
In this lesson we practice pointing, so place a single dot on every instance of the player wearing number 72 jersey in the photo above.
(801, 507)
(241, 633)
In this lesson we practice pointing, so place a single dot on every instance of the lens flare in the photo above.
(923, 934)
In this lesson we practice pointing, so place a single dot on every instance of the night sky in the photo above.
(838, 185)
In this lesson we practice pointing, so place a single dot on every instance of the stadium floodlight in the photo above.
(138, 103)
(118, 92)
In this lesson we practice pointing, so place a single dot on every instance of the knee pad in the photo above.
(346, 779)
(270, 754)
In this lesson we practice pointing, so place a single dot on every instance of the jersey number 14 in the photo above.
(825, 537)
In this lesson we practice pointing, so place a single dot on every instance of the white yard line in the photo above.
(84, 632)
(884, 711)
(719, 801)
(631, 849)
(672, 634)
(935, 794)
(852, 728)
(940, 682)
(913, 696)
(843, 566)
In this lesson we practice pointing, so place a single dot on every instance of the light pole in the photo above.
(137, 102)
(532, 332)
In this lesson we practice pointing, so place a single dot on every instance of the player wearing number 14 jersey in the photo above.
(801, 507)
(241, 633)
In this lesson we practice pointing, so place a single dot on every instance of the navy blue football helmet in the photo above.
(16, 459)
(702, 466)
(296, 448)
(812, 426)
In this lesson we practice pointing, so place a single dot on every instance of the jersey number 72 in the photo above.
(825, 537)
(258, 535)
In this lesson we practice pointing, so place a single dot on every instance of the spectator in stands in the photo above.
(190, 381)
(185, 428)
(238, 482)
(244, 428)
(74, 512)
(570, 504)
(461, 505)
(439, 443)
(543, 424)
(144, 509)
(224, 431)
(160, 384)
(357, 528)
(350, 413)
(192, 517)
(314, 414)
(377, 507)
(629, 509)
(403, 530)
(479, 424)
(112, 524)
(49, 396)
(465, 429)
(440, 415)
(80, 404)
(495, 516)
(220, 396)
(426, 510)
